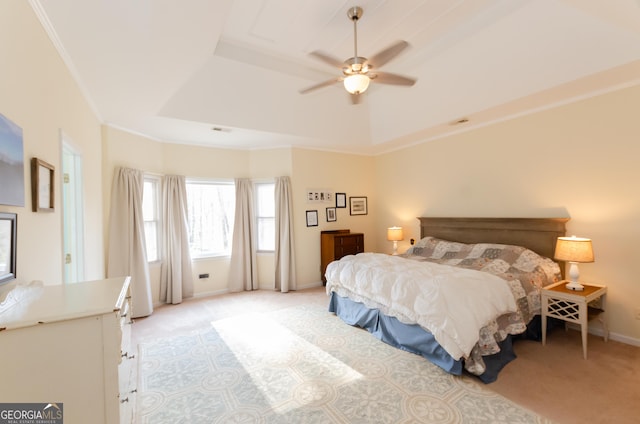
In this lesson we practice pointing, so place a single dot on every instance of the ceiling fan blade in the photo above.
(393, 79)
(379, 59)
(321, 85)
(330, 60)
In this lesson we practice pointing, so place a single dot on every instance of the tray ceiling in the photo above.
(228, 73)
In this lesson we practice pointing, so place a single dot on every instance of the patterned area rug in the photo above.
(304, 365)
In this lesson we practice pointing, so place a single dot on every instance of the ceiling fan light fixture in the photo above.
(356, 83)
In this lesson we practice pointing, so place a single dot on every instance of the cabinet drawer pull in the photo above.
(124, 400)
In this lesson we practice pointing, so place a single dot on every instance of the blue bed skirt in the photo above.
(413, 338)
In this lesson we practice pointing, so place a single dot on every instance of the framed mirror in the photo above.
(8, 252)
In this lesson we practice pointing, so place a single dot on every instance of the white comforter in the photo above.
(452, 303)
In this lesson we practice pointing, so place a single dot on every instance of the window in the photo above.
(265, 216)
(211, 209)
(151, 216)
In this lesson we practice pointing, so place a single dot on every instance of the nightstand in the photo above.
(574, 306)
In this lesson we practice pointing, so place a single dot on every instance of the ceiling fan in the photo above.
(357, 71)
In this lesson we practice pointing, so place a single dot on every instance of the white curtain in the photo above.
(176, 278)
(127, 248)
(243, 273)
(284, 253)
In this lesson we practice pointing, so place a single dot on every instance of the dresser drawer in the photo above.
(349, 245)
(125, 328)
(127, 369)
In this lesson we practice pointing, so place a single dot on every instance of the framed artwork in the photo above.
(341, 200)
(319, 196)
(312, 218)
(8, 252)
(358, 205)
(42, 186)
(11, 163)
(331, 214)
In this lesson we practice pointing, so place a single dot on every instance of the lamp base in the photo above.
(575, 286)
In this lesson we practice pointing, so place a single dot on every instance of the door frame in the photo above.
(69, 149)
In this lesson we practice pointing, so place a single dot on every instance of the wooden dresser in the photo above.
(336, 244)
(70, 344)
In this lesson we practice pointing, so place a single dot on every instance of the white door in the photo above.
(72, 213)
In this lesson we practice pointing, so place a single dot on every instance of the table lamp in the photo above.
(395, 235)
(574, 250)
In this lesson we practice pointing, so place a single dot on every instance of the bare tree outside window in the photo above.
(265, 216)
(211, 207)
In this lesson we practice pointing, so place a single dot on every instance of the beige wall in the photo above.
(350, 174)
(38, 93)
(578, 161)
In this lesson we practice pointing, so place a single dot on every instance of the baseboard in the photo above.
(310, 286)
(622, 339)
(209, 293)
(225, 291)
(599, 331)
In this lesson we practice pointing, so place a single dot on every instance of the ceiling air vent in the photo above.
(459, 121)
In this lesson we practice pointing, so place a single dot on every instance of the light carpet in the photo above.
(304, 365)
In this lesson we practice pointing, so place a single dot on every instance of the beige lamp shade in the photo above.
(395, 234)
(574, 249)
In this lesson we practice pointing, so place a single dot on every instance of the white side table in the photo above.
(574, 306)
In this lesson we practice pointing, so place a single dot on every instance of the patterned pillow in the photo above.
(491, 257)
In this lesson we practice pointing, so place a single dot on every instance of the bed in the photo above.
(428, 301)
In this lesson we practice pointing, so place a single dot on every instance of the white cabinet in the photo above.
(69, 344)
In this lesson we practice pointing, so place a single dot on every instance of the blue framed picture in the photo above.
(11, 163)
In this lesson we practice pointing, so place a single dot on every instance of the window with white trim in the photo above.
(151, 216)
(265, 216)
(211, 209)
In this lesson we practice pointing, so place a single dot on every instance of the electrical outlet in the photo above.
(637, 315)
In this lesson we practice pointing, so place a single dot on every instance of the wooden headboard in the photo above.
(537, 234)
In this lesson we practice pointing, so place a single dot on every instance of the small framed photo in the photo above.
(312, 218)
(358, 205)
(331, 214)
(42, 186)
(341, 200)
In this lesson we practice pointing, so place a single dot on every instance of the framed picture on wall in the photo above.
(331, 214)
(341, 200)
(358, 205)
(8, 253)
(42, 186)
(312, 218)
(11, 163)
